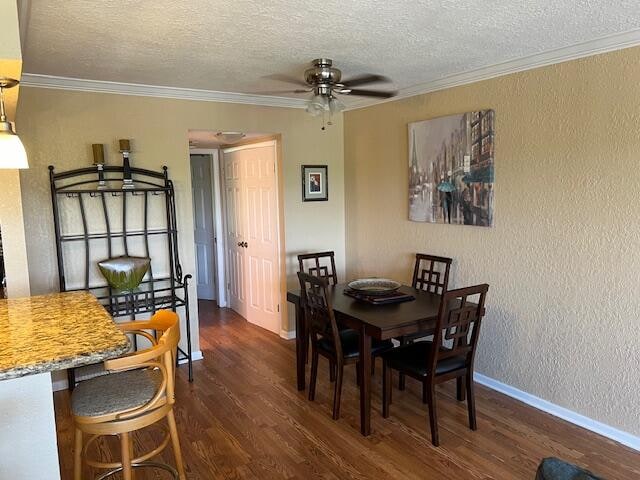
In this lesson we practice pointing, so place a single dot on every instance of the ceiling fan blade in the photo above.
(364, 79)
(279, 92)
(286, 79)
(369, 93)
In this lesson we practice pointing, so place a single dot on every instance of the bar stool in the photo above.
(137, 393)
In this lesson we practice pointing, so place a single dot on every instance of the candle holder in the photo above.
(125, 149)
(98, 161)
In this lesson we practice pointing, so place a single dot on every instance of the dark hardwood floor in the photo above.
(243, 418)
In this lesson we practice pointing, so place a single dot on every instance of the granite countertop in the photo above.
(54, 332)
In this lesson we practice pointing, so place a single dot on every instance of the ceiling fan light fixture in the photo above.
(317, 104)
(335, 105)
(313, 110)
(321, 101)
(325, 81)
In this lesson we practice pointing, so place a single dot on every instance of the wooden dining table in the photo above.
(381, 322)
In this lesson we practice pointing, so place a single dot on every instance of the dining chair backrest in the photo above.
(318, 310)
(320, 264)
(431, 273)
(458, 325)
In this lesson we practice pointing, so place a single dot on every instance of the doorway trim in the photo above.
(218, 220)
(276, 142)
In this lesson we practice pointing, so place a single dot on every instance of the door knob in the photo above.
(240, 244)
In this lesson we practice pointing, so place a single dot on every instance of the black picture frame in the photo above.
(315, 183)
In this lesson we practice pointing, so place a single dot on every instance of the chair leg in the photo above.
(71, 378)
(402, 379)
(433, 416)
(77, 456)
(401, 382)
(175, 443)
(125, 448)
(131, 456)
(314, 374)
(338, 391)
(386, 389)
(332, 371)
(460, 389)
(471, 402)
(305, 344)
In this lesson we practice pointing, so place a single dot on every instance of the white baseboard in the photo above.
(60, 385)
(63, 384)
(288, 334)
(196, 355)
(570, 416)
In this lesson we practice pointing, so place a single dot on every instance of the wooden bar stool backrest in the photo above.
(320, 264)
(318, 311)
(160, 355)
(431, 273)
(458, 326)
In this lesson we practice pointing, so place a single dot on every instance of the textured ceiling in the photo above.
(234, 45)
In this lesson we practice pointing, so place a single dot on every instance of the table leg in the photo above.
(301, 346)
(365, 382)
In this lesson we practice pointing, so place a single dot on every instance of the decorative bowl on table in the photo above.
(124, 273)
(374, 286)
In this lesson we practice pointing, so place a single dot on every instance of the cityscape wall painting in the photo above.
(451, 169)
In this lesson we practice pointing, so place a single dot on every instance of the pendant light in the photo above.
(12, 153)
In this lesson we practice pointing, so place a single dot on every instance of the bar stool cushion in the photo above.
(115, 392)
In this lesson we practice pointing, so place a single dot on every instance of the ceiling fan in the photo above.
(325, 81)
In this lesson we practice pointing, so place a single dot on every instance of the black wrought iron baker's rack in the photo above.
(102, 187)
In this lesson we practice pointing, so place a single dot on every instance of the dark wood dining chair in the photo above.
(340, 347)
(323, 265)
(450, 355)
(430, 274)
(320, 264)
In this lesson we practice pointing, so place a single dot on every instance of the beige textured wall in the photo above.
(58, 127)
(9, 30)
(13, 235)
(564, 256)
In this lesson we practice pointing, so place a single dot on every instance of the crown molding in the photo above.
(35, 80)
(597, 46)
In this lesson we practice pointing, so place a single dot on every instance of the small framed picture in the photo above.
(314, 183)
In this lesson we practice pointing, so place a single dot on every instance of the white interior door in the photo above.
(235, 231)
(252, 188)
(204, 230)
